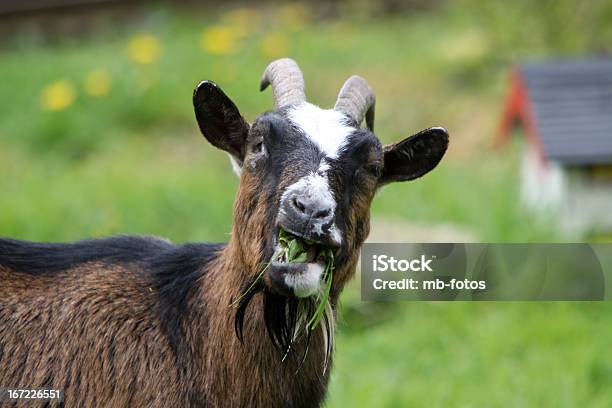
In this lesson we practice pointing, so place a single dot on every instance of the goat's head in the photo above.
(309, 172)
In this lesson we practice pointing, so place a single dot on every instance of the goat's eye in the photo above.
(258, 148)
(374, 169)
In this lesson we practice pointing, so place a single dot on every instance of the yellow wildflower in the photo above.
(97, 83)
(57, 96)
(144, 49)
(219, 40)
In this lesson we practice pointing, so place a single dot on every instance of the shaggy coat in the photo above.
(142, 322)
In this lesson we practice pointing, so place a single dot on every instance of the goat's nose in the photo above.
(311, 208)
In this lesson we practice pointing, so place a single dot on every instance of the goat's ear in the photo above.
(219, 119)
(414, 156)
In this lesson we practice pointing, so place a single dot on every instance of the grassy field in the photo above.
(97, 137)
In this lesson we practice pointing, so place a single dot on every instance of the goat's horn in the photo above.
(357, 99)
(287, 82)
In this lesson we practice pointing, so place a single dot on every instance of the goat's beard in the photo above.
(286, 321)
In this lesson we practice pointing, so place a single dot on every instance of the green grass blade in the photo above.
(318, 314)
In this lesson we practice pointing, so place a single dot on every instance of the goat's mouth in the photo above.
(296, 285)
(299, 266)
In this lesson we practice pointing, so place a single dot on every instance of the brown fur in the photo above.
(109, 334)
(90, 332)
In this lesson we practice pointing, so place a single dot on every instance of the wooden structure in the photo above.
(564, 111)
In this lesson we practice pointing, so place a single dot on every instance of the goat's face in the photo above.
(308, 173)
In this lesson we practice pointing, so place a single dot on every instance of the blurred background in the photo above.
(98, 137)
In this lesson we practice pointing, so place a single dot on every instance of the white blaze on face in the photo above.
(327, 128)
(329, 131)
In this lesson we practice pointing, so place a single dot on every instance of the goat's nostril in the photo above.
(298, 204)
(305, 207)
(321, 213)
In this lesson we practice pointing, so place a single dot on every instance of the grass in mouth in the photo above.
(295, 250)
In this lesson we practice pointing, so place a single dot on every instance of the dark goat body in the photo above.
(140, 322)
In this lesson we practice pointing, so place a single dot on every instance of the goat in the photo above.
(142, 322)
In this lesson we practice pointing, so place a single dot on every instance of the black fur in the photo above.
(249, 289)
(174, 278)
(219, 119)
(38, 257)
(281, 315)
(414, 156)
